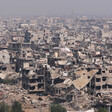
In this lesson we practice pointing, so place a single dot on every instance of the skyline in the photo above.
(96, 8)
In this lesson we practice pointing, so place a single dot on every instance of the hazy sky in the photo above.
(55, 7)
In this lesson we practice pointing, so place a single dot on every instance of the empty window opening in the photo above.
(32, 88)
(26, 71)
(56, 81)
(69, 98)
(32, 80)
(40, 79)
(98, 94)
(88, 77)
(24, 86)
(13, 67)
(88, 69)
(63, 89)
(56, 91)
(104, 78)
(104, 86)
(98, 87)
(109, 86)
(59, 91)
(4, 68)
(40, 86)
(73, 62)
(99, 72)
(110, 71)
(98, 79)
(24, 55)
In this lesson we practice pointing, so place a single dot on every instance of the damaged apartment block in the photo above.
(36, 80)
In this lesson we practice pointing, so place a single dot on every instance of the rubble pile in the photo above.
(56, 60)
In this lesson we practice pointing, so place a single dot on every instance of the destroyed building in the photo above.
(36, 80)
(68, 60)
(20, 53)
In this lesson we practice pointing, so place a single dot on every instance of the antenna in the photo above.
(72, 14)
